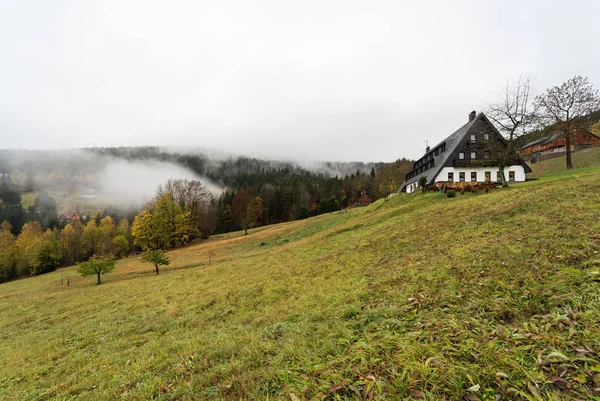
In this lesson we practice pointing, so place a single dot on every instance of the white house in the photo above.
(465, 156)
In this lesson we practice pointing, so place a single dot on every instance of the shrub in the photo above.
(451, 193)
(423, 183)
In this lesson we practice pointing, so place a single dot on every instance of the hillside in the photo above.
(420, 297)
(581, 158)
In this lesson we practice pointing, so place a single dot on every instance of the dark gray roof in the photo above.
(451, 143)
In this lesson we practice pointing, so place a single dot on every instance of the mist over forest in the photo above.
(130, 175)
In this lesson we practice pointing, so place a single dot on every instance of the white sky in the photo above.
(305, 80)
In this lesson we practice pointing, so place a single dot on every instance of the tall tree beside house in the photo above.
(512, 116)
(566, 107)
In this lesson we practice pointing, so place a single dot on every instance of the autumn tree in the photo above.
(512, 116)
(26, 246)
(124, 230)
(161, 224)
(565, 107)
(247, 209)
(158, 257)
(47, 257)
(71, 243)
(7, 252)
(253, 214)
(191, 195)
(96, 266)
(119, 246)
(91, 239)
(106, 233)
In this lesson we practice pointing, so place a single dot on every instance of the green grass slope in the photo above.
(483, 296)
(581, 158)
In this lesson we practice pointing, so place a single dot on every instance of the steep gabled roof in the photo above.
(364, 198)
(451, 143)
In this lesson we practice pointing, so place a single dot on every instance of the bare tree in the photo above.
(512, 116)
(566, 107)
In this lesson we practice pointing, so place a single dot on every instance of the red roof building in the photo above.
(363, 200)
(557, 143)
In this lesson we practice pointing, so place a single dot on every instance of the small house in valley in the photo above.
(466, 156)
(363, 200)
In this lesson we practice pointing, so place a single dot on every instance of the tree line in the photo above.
(33, 241)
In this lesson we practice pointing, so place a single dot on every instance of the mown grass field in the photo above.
(484, 296)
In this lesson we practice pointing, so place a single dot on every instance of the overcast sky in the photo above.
(307, 80)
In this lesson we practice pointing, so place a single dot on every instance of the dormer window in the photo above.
(461, 155)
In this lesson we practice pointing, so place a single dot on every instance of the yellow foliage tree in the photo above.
(161, 224)
(27, 245)
(7, 252)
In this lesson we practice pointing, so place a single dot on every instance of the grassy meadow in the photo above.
(581, 158)
(487, 296)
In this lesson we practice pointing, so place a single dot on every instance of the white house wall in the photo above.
(443, 175)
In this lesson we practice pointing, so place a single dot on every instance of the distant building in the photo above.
(88, 193)
(556, 143)
(363, 200)
(462, 159)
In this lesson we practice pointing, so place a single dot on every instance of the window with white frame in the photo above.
(473, 155)
(461, 155)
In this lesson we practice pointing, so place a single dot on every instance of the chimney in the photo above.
(427, 149)
(472, 116)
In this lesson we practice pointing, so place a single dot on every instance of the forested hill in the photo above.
(125, 176)
(231, 171)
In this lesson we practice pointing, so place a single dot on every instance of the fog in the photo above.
(310, 80)
(135, 182)
(69, 172)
